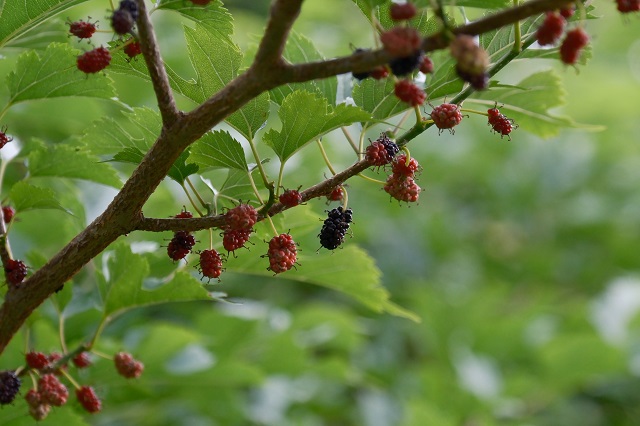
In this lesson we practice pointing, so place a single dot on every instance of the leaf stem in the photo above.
(349, 138)
(197, 194)
(370, 179)
(195, 206)
(325, 157)
(517, 43)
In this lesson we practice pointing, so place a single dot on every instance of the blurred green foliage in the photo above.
(521, 259)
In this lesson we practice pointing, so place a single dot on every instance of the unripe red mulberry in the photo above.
(52, 391)
(282, 253)
(446, 116)
(94, 60)
(127, 366)
(88, 399)
(243, 216)
(408, 92)
(402, 188)
(210, 263)
(572, 45)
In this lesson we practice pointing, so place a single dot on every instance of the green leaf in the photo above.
(251, 117)
(214, 17)
(349, 270)
(125, 286)
(180, 169)
(377, 97)
(139, 130)
(30, 197)
(67, 161)
(306, 117)
(300, 49)
(218, 149)
(19, 16)
(215, 60)
(52, 31)
(53, 74)
(528, 103)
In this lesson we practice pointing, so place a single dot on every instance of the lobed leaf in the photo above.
(218, 149)
(377, 97)
(29, 197)
(349, 270)
(251, 117)
(53, 73)
(125, 284)
(69, 162)
(214, 17)
(528, 102)
(300, 49)
(305, 117)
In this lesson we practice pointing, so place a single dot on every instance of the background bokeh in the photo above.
(521, 259)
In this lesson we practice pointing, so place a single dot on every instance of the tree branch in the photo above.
(151, 53)
(124, 214)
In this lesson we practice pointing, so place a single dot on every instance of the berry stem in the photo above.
(517, 34)
(273, 226)
(70, 378)
(193, 204)
(325, 157)
(5, 248)
(265, 178)
(255, 188)
(63, 343)
(370, 179)
(197, 194)
(349, 139)
(474, 111)
(101, 326)
(280, 177)
(361, 143)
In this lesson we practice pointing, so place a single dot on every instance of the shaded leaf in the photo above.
(349, 270)
(53, 74)
(528, 102)
(214, 17)
(298, 50)
(305, 117)
(30, 197)
(218, 149)
(126, 273)
(251, 117)
(377, 97)
(69, 162)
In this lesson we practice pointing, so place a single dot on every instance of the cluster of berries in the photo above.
(404, 43)
(500, 123)
(122, 20)
(238, 227)
(401, 184)
(4, 138)
(51, 392)
(628, 6)
(551, 30)
(381, 151)
(335, 227)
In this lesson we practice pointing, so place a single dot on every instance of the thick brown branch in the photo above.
(365, 61)
(151, 52)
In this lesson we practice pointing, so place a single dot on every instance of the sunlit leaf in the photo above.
(52, 74)
(218, 149)
(306, 117)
